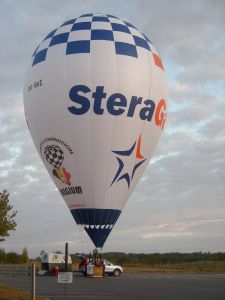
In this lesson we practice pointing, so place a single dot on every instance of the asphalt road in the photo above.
(129, 286)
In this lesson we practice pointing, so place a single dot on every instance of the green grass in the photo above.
(191, 267)
(9, 293)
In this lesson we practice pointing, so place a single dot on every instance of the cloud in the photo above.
(166, 234)
(179, 203)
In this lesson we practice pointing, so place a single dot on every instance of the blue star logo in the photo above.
(121, 172)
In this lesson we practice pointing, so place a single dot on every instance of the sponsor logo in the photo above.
(55, 140)
(71, 190)
(53, 151)
(133, 153)
(116, 105)
(55, 156)
(55, 257)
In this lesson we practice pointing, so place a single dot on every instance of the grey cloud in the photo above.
(178, 204)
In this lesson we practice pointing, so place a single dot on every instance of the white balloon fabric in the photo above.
(95, 99)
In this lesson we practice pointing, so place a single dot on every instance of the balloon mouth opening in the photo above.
(98, 223)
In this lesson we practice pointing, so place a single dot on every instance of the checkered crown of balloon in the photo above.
(80, 35)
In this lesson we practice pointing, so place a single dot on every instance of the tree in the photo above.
(7, 222)
(13, 258)
(3, 256)
(24, 256)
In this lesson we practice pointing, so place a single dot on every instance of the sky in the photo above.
(179, 203)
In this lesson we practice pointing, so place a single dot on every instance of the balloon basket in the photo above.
(94, 271)
(95, 267)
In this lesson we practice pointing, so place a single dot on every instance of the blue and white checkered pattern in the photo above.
(80, 35)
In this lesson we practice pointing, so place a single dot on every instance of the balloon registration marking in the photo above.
(121, 167)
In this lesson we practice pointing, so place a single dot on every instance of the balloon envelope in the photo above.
(95, 99)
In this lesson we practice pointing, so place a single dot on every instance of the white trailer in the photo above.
(50, 261)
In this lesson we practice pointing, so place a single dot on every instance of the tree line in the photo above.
(128, 259)
(152, 259)
(155, 259)
(13, 257)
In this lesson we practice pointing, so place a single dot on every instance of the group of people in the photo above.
(95, 260)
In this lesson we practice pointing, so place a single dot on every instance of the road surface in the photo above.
(129, 286)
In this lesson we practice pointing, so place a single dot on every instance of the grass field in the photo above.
(192, 267)
(9, 293)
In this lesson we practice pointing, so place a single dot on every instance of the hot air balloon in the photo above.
(95, 99)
